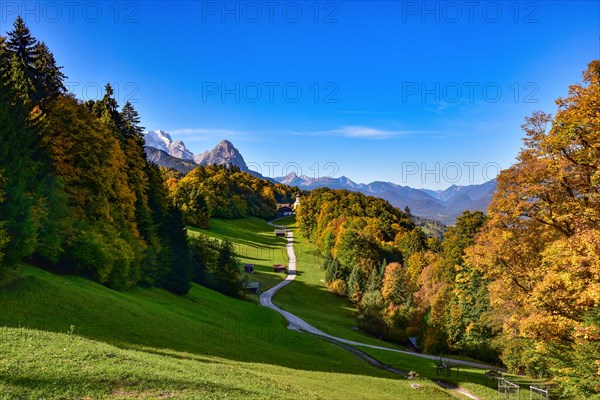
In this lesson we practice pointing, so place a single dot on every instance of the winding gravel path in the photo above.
(298, 324)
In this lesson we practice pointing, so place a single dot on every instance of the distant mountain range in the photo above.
(164, 159)
(439, 205)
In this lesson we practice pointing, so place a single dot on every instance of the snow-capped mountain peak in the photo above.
(158, 139)
(163, 141)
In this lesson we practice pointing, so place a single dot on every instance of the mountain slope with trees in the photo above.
(541, 247)
(521, 286)
(226, 192)
(78, 194)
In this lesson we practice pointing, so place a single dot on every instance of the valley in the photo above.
(135, 267)
(139, 343)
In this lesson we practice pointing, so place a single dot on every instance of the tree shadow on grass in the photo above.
(78, 387)
(169, 353)
(165, 322)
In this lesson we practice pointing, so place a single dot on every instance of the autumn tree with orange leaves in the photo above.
(541, 246)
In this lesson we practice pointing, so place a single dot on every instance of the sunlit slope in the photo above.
(67, 337)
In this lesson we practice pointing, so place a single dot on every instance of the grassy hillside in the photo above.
(307, 296)
(254, 243)
(67, 337)
(203, 322)
(62, 366)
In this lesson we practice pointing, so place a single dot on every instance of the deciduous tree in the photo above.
(541, 246)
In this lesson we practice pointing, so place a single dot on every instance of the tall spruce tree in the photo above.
(4, 61)
(22, 74)
(356, 284)
(178, 276)
(33, 203)
(138, 171)
(227, 270)
(16, 148)
(109, 111)
(130, 120)
(48, 76)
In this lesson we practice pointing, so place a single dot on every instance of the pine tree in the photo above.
(395, 289)
(17, 143)
(375, 279)
(130, 120)
(356, 284)
(4, 61)
(158, 252)
(107, 109)
(49, 77)
(371, 312)
(204, 254)
(333, 271)
(138, 173)
(177, 277)
(227, 270)
(21, 45)
(32, 204)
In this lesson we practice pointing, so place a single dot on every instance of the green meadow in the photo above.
(65, 337)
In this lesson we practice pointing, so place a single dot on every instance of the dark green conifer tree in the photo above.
(138, 171)
(4, 61)
(333, 271)
(49, 77)
(177, 277)
(16, 148)
(22, 73)
(227, 271)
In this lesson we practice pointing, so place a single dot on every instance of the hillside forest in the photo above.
(519, 286)
(79, 196)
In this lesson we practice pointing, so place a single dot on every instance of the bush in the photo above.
(370, 312)
(339, 287)
(98, 252)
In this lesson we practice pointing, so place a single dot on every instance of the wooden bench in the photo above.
(280, 232)
(252, 287)
(450, 367)
(279, 268)
(443, 367)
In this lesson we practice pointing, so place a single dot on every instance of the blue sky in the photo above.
(424, 94)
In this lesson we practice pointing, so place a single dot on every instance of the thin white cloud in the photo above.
(352, 132)
(365, 132)
(362, 132)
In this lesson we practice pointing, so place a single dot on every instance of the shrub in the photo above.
(339, 287)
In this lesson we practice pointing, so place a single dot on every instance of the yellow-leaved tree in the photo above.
(541, 245)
